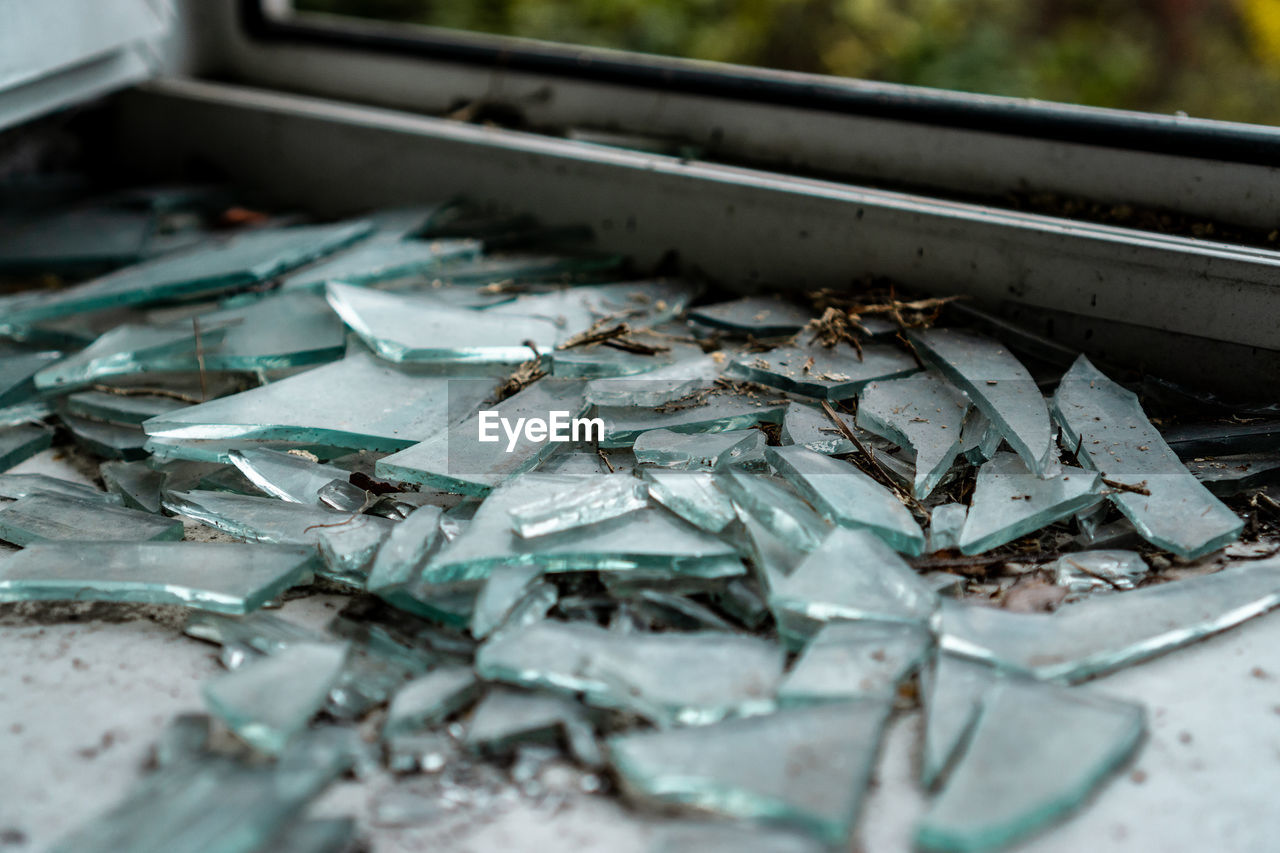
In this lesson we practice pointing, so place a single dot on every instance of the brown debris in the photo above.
(525, 375)
(833, 327)
(1137, 489)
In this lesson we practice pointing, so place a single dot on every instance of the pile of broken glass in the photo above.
(770, 534)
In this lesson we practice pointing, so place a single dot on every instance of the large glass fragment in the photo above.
(670, 678)
(111, 441)
(699, 451)
(138, 484)
(777, 507)
(349, 551)
(998, 385)
(15, 486)
(590, 501)
(127, 349)
(45, 518)
(846, 660)
(761, 316)
(923, 412)
(17, 375)
(220, 577)
(1037, 752)
(979, 438)
(478, 453)
(255, 519)
(430, 699)
(381, 258)
(951, 691)
(1232, 475)
(269, 701)
(576, 309)
(1111, 434)
(20, 443)
(829, 373)
(125, 408)
(1089, 571)
(287, 476)
(501, 593)
(674, 363)
(1104, 633)
(419, 329)
(717, 413)
(847, 496)
(807, 767)
(657, 386)
(1009, 501)
(692, 495)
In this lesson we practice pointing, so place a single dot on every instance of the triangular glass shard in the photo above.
(693, 496)
(951, 690)
(646, 539)
(15, 486)
(239, 261)
(20, 443)
(271, 700)
(1104, 633)
(255, 519)
(923, 412)
(1090, 571)
(502, 591)
(717, 413)
(42, 518)
(808, 767)
(131, 409)
(430, 699)
(576, 309)
(1009, 501)
(17, 375)
(658, 386)
(220, 577)
(851, 575)
(138, 485)
(761, 316)
(699, 451)
(380, 258)
(588, 502)
(344, 404)
(287, 476)
(998, 385)
(672, 678)
(848, 497)
(828, 373)
(777, 507)
(946, 523)
(403, 328)
(979, 438)
(474, 456)
(1054, 746)
(1111, 434)
(846, 660)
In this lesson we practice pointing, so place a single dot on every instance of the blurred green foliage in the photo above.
(1211, 58)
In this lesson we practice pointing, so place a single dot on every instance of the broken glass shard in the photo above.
(1232, 475)
(508, 717)
(587, 502)
(75, 239)
(693, 496)
(15, 486)
(998, 385)
(220, 577)
(17, 375)
(474, 456)
(846, 660)
(1104, 633)
(20, 443)
(760, 316)
(255, 519)
(30, 412)
(1221, 438)
(811, 428)
(717, 413)
(576, 309)
(348, 550)
(287, 476)
(430, 699)
(125, 408)
(269, 701)
(951, 689)
(1053, 746)
(129, 349)
(829, 373)
(808, 767)
(138, 484)
(1009, 501)
(1089, 571)
(344, 497)
(655, 387)
(777, 507)
(946, 522)
(706, 836)
(381, 258)
(44, 518)
(979, 438)
(663, 610)
(923, 412)
(672, 360)
(670, 678)
(316, 835)
(699, 451)
(1112, 435)
(111, 441)
(501, 593)
(847, 496)
(405, 549)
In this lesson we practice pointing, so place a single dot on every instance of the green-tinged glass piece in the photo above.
(403, 328)
(243, 638)
(761, 316)
(699, 451)
(405, 223)
(692, 495)
(979, 438)
(741, 599)
(29, 412)
(430, 699)
(17, 375)
(111, 441)
(1037, 752)
(341, 495)
(238, 261)
(1223, 437)
(923, 412)
(674, 360)
(672, 679)
(1226, 476)
(717, 413)
(139, 485)
(585, 503)
(381, 258)
(495, 278)
(130, 409)
(582, 460)
(317, 835)
(1107, 632)
(646, 539)
(694, 836)
(75, 239)
(846, 660)
(784, 513)
(15, 486)
(270, 333)
(269, 701)
(1099, 571)
(20, 443)
(1009, 501)
(656, 386)
(946, 523)
(480, 453)
(1106, 424)
(221, 577)
(576, 309)
(129, 349)
(507, 717)
(256, 519)
(361, 403)
(851, 575)
(218, 452)
(287, 476)
(405, 550)
(998, 385)
(663, 610)
(807, 767)
(811, 428)
(829, 373)
(951, 691)
(46, 518)
(501, 593)
(847, 496)
(348, 551)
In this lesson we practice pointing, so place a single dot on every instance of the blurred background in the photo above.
(1207, 58)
